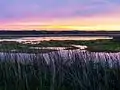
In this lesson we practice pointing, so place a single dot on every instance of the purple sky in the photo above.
(12, 10)
(17, 9)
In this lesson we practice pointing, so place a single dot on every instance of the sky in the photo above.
(60, 14)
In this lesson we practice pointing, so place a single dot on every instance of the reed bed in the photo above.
(60, 70)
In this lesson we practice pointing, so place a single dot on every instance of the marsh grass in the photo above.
(53, 72)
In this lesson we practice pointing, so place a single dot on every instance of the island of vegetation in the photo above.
(109, 45)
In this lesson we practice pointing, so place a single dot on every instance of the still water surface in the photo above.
(29, 39)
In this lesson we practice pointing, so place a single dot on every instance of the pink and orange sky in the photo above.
(60, 14)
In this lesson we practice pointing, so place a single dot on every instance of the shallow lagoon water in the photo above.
(38, 39)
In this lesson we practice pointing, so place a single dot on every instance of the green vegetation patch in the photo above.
(93, 45)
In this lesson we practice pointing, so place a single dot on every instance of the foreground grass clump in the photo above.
(57, 73)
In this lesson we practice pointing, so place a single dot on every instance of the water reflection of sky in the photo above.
(27, 39)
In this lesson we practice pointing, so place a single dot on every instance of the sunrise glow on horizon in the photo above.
(60, 15)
